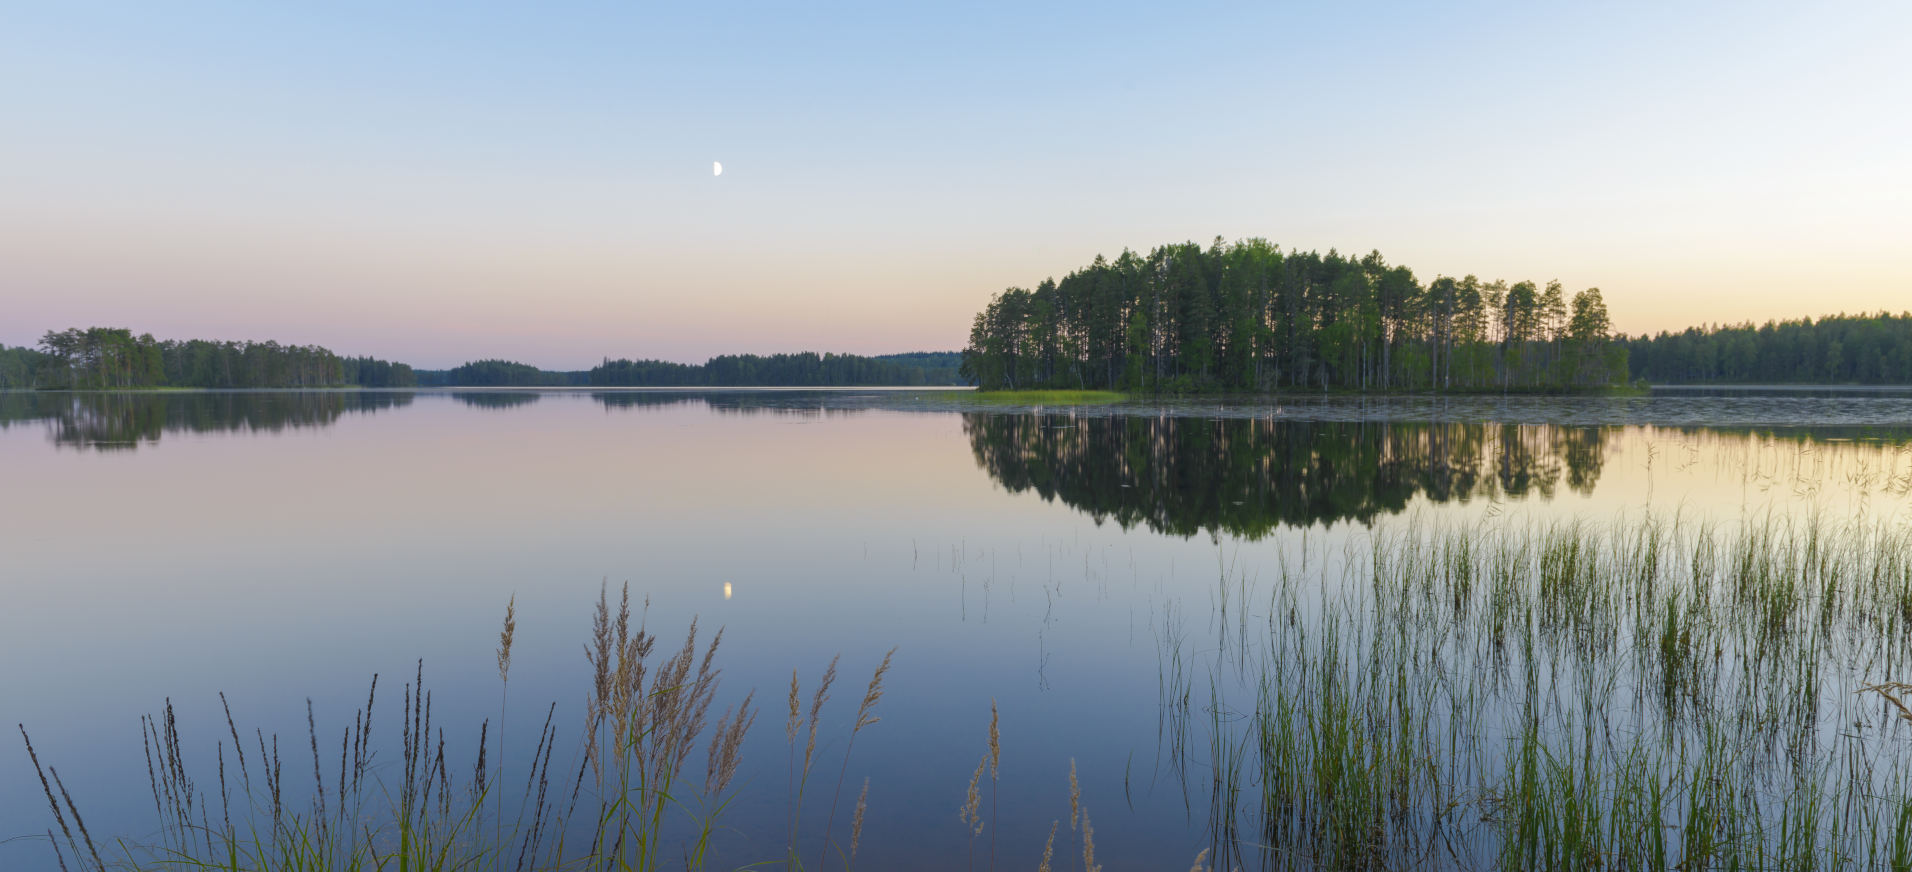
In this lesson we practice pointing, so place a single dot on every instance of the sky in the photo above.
(442, 182)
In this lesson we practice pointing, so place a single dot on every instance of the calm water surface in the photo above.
(281, 547)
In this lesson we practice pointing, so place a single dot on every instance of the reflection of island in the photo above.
(798, 403)
(111, 421)
(1248, 476)
(497, 399)
(613, 400)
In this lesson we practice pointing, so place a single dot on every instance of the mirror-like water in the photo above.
(1145, 589)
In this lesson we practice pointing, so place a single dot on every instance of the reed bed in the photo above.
(1649, 693)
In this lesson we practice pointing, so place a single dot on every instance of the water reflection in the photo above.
(124, 421)
(1246, 477)
(497, 399)
(636, 400)
(808, 404)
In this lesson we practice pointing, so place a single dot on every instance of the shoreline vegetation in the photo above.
(1240, 318)
(113, 358)
(1647, 693)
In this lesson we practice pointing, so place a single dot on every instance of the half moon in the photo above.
(716, 168)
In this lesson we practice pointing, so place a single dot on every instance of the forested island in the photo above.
(1246, 316)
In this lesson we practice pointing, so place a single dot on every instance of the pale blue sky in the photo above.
(441, 182)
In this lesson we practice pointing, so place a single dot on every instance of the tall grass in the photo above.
(628, 798)
(1641, 694)
(1647, 693)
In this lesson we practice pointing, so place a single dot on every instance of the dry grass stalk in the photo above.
(505, 637)
(599, 655)
(816, 711)
(995, 781)
(995, 743)
(726, 743)
(798, 779)
(796, 719)
(865, 714)
(856, 821)
(1075, 796)
(1088, 845)
(1891, 691)
(1201, 862)
(971, 812)
(1049, 847)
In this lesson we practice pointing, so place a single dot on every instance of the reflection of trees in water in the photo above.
(807, 405)
(1248, 476)
(497, 399)
(109, 421)
(642, 400)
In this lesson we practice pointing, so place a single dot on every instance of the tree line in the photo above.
(497, 374)
(1246, 316)
(1836, 349)
(102, 358)
(805, 369)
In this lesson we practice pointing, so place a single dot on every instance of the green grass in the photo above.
(1640, 694)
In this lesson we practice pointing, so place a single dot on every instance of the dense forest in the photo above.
(19, 367)
(497, 374)
(1248, 317)
(112, 357)
(1837, 349)
(806, 369)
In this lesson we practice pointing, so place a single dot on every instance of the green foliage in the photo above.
(1247, 317)
(19, 367)
(497, 374)
(806, 369)
(100, 358)
(1836, 349)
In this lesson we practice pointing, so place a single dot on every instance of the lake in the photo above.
(1180, 597)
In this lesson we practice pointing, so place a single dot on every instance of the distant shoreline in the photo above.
(1856, 389)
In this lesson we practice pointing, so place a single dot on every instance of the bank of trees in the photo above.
(100, 358)
(497, 374)
(806, 369)
(1836, 349)
(19, 367)
(1247, 316)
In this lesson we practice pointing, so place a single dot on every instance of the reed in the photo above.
(627, 802)
(1645, 693)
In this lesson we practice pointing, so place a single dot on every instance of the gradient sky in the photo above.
(441, 182)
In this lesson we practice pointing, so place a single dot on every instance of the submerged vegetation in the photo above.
(1247, 316)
